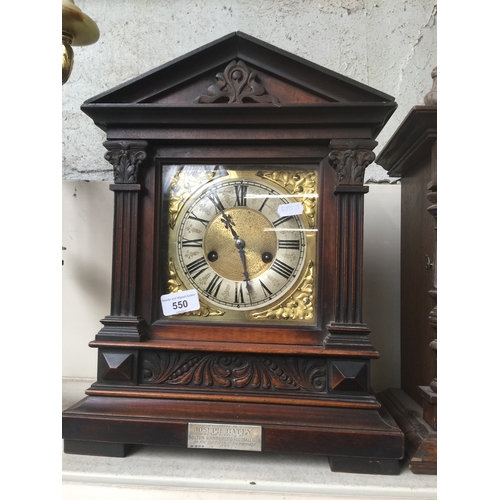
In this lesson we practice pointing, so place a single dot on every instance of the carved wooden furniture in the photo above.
(232, 147)
(412, 155)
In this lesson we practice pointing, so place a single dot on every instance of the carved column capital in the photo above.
(350, 158)
(125, 156)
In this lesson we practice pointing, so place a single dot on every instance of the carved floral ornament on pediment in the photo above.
(237, 84)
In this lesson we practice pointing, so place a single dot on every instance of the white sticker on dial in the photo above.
(180, 302)
(290, 209)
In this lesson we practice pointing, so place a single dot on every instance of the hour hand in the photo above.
(228, 223)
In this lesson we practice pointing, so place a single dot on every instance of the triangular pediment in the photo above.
(238, 61)
(237, 81)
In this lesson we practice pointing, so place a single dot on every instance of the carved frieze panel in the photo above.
(263, 373)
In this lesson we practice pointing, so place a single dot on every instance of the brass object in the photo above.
(204, 253)
(225, 436)
(301, 184)
(253, 228)
(299, 305)
(67, 56)
(185, 181)
(78, 29)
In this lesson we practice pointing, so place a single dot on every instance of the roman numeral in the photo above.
(241, 194)
(191, 243)
(266, 290)
(288, 244)
(238, 293)
(214, 286)
(279, 221)
(203, 221)
(214, 198)
(199, 265)
(282, 269)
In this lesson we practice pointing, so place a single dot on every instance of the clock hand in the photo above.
(240, 245)
(228, 223)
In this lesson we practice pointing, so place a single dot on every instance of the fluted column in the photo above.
(123, 322)
(349, 158)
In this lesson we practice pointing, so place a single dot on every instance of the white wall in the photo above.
(87, 227)
(387, 44)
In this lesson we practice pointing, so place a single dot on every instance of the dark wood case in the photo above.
(411, 154)
(279, 109)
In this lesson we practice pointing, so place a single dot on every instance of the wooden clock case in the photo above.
(278, 109)
(411, 155)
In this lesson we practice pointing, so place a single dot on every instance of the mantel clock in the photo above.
(236, 315)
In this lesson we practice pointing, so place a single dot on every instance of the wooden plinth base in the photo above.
(420, 438)
(355, 440)
(364, 465)
(96, 448)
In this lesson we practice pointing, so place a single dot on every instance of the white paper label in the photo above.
(180, 302)
(290, 209)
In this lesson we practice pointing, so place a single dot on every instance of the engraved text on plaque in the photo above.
(225, 436)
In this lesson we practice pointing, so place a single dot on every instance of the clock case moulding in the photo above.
(235, 101)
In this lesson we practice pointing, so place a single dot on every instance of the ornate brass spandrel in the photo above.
(299, 305)
(175, 285)
(302, 184)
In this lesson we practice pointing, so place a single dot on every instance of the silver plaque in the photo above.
(225, 436)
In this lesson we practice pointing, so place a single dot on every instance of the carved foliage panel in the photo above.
(192, 370)
(257, 373)
(252, 373)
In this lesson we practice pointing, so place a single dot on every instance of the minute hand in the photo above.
(243, 261)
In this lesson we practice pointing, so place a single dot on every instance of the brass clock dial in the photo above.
(234, 247)
(243, 243)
